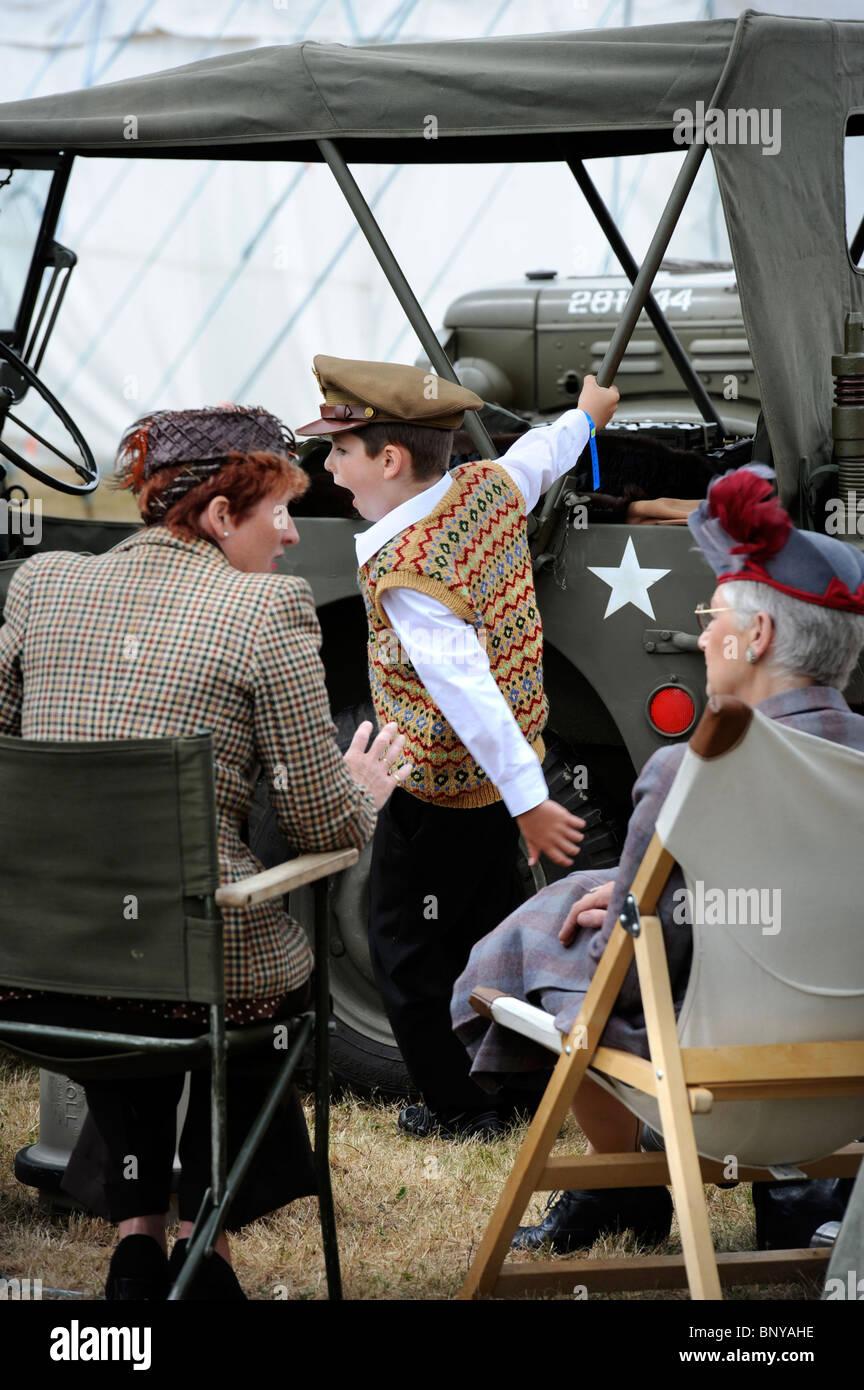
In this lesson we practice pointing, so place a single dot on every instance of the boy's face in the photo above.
(366, 478)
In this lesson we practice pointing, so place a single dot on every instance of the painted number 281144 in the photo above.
(603, 301)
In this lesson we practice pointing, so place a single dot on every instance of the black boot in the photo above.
(787, 1213)
(577, 1218)
(215, 1279)
(138, 1271)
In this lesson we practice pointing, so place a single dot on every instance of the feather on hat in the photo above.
(744, 533)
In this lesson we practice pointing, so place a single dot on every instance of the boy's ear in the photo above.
(397, 461)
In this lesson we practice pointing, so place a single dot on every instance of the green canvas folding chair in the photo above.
(765, 1063)
(110, 886)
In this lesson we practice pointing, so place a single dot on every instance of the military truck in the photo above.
(715, 367)
(525, 348)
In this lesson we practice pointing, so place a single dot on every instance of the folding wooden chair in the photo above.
(110, 886)
(770, 1015)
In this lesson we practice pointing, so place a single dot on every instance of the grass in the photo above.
(410, 1214)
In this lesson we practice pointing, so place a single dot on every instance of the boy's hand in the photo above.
(549, 829)
(591, 908)
(598, 401)
(372, 768)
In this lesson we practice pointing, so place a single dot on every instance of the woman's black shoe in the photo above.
(787, 1213)
(420, 1122)
(138, 1271)
(215, 1280)
(577, 1218)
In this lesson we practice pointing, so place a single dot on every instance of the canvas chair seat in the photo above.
(131, 909)
(118, 1056)
(778, 817)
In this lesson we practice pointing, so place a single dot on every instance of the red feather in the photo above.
(132, 456)
(746, 508)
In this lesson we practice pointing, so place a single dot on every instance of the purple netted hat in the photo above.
(745, 533)
(201, 441)
(171, 437)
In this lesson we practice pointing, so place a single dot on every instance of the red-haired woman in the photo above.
(183, 627)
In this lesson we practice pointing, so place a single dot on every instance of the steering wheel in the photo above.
(86, 470)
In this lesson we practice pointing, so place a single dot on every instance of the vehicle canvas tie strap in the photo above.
(595, 462)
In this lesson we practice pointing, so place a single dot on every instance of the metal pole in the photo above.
(651, 264)
(665, 331)
(632, 309)
(402, 290)
(322, 1090)
(856, 245)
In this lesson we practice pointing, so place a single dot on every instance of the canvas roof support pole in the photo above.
(665, 331)
(856, 245)
(632, 309)
(42, 253)
(402, 290)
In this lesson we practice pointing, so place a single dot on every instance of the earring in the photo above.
(751, 656)
(224, 533)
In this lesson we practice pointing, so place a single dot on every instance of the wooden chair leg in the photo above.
(566, 1079)
(546, 1125)
(522, 1182)
(326, 1210)
(677, 1124)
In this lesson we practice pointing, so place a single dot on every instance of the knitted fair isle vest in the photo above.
(471, 553)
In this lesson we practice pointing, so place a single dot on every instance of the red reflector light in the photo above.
(671, 710)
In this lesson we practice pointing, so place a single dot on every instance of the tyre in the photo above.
(574, 784)
(364, 1055)
(363, 1051)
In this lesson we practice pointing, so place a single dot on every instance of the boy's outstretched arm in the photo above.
(543, 454)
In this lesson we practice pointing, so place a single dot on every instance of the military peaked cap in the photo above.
(367, 393)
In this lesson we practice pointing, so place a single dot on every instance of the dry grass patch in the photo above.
(409, 1213)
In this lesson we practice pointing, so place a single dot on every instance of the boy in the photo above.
(455, 658)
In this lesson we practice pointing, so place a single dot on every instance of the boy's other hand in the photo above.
(549, 829)
(598, 401)
(373, 767)
(588, 911)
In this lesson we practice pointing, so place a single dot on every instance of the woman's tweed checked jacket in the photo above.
(162, 636)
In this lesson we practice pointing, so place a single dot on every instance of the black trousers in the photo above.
(122, 1163)
(441, 879)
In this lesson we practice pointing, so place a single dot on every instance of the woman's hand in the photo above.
(591, 908)
(550, 829)
(373, 767)
(660, 511)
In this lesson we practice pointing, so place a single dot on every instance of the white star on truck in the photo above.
(629, 583)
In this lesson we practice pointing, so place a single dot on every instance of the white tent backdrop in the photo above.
(201, 282)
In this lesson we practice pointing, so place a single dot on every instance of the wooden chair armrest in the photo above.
(482, 998)
(513, 1013)
(284, 878)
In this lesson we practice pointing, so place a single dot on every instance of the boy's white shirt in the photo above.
(439, 644)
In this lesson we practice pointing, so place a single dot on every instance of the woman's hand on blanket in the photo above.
(587, 911)
(549, 829)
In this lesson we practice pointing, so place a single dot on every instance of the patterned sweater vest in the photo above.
(471, 553)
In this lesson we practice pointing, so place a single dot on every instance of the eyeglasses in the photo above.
(705, 615)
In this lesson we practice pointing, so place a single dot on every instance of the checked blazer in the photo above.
(162, 636)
